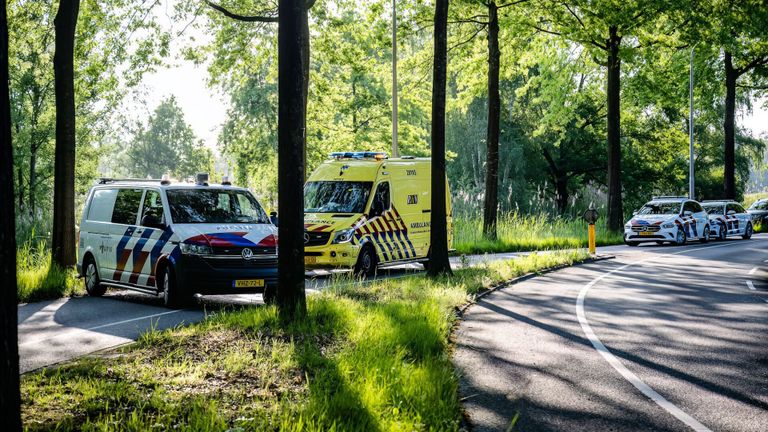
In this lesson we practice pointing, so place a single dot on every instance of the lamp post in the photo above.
(691, 180)
(395, 152)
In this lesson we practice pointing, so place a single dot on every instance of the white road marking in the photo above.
(617, 364)
(751, 286)
(34, 341)
(754, 269)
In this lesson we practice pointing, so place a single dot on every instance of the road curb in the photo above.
(463, 308)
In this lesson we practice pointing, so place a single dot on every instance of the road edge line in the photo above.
(616, 363)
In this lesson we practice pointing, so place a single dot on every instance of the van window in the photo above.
(127, 206)
(336, 196)
(152, 210)
(102, 203)
(214, 206)
(380, 202)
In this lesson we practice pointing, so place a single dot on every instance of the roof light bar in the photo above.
(359, 155)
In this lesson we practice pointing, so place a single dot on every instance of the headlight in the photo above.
(343, 236)
(193, 249)
(668, 226)
(628, 225)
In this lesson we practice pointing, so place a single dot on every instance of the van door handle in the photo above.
(426, 211)
(139, 231)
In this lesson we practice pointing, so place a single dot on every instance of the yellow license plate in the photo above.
(310, 260)
(249, 283)
(646, 233)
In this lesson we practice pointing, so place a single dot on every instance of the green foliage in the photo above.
(166, 145)
(527, 233)
(38, 278)
(368, 357)
(115, 44)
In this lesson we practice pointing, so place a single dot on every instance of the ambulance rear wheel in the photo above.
(366, 262)
(93, 285)
(172, 297)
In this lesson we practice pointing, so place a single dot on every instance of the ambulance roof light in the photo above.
(166, 180)
(225, 181)
(359, 155)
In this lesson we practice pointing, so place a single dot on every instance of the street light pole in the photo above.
(395, 152)
(691, 180)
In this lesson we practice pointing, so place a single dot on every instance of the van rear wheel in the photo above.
(366, 262)
(93, 285)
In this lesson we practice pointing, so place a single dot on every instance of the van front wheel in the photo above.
(172, 297)
(366, 262)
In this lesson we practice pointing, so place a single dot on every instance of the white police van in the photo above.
(176, 240)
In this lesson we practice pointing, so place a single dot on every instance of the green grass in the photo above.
(525, 233)
(38, 278)
(368, 357)
(751, 198)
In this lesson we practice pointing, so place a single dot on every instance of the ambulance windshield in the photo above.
(214, 206)
(336, 196)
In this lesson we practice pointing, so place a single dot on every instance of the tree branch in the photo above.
(245, 18)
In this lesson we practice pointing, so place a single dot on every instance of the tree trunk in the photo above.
(63, 241)
(10, 399)
(305, 48)
(729, 156)
(293, 46)
(492, 137)
(32, 179)
(438, 261)
(615, 211)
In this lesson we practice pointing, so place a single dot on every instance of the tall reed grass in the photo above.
(527, 233)
(38, 278)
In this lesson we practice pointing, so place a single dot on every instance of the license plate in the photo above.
(310, 260)
(646, 233)
(249, 283)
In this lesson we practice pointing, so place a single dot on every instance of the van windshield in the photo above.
(214, 206)
(336, 196)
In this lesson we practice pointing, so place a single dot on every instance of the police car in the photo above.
(176, 240)
(728, 218)
(668, 219)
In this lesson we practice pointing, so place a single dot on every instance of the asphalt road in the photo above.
(661, 338)
(54, 331)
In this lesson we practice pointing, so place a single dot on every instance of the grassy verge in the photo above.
(368, 357)
(524, 233)
(38, 278)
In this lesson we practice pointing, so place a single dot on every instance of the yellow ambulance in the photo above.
(364, 210)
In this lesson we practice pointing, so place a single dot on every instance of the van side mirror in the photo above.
(273, 218)
(634, 213)
(687, 213)
(731, 212)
